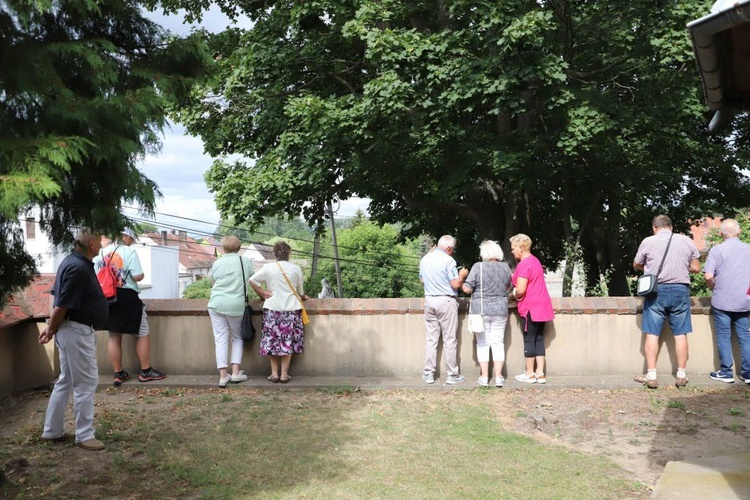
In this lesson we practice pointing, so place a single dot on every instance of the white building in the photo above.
(160, 264)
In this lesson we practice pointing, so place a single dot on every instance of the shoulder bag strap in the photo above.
(665, 256)
(244, 281)
(294, 290)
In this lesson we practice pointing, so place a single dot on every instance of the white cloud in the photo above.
(179, 168)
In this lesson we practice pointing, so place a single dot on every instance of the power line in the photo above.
(405, 266)
(235, 228)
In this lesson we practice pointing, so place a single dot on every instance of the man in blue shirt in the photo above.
(727, 272)
(79, 310)
(441, 280)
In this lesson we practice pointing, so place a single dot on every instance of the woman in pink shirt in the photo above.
(534, 307)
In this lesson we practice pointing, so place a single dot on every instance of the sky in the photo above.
(179, 168)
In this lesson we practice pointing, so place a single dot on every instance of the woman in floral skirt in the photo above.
(280, 285)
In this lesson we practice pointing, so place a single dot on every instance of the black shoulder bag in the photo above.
(647, 283)
(248, 330)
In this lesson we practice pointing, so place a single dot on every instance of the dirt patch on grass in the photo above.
(638, 429)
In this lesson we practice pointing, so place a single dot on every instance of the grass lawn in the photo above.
(245, 443)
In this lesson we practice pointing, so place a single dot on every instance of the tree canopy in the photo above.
(574, 121)
(84, 91)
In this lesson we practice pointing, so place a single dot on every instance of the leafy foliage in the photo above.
(85, 87)
(372, 263)
(199, 289)
(475, 118)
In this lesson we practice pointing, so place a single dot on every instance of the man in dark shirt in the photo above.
(79, 310)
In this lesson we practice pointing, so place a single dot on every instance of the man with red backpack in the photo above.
(127, 313)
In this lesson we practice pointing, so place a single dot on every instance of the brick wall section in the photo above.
(348, 307)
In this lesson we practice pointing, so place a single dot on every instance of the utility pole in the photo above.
(335, 251)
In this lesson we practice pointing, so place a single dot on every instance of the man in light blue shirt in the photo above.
(441, 280)
(127, 315)
(727, 272)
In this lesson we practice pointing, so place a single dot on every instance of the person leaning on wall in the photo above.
(534, 308)
(283, 332)
(672, 298)
(727, 273)
(226, 307)
(489, 283)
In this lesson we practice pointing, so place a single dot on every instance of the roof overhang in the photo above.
(721, 42)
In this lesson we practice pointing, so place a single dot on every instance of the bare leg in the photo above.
(681, 350)
(143, 350)
(498, 368)
(484, 368)
(235, 369)
(114, 350)
(274, 365)
(285, 362)
(530, 366)
(539, 364)
(651, 348)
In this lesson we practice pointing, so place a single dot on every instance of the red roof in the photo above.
(33, 302)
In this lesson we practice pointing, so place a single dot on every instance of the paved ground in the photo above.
(725, 477)
(374, 383)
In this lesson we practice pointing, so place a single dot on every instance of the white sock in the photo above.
(681, 373)
(651, 374)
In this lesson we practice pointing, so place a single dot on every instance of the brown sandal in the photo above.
(273, 378)
(285, 380)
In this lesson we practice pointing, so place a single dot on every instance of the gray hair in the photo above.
(490, 250)
(730, 228)
(661, 221)
(446, 241)
(85, 236)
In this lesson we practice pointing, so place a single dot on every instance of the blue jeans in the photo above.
(671, 301)
(723, 321)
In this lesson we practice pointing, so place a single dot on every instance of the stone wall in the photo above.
(379, 337)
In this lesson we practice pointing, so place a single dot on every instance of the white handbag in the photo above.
(476, 321)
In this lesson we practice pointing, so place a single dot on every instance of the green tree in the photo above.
(84, 89)
(373, 264)
(573, 121)
(199, 289)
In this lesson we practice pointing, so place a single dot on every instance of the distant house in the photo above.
(160, 265)
(259, 254)
(46, 255)
(195, 260)
(702, 230)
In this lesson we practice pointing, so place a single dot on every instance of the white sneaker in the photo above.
(483, 381)
(499, 381)
(223, 381)
(529, 379)
(454, 379)
(541, 378)
(240, 377)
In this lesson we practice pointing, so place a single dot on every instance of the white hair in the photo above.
(446, 241)
(489, 249)
(730, 228)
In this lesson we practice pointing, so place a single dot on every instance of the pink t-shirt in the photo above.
(537, 300)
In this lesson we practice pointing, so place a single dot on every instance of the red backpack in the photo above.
(107, 276)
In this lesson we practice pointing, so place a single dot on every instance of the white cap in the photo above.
(129, 232)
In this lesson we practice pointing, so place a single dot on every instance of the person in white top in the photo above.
(283, 331)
